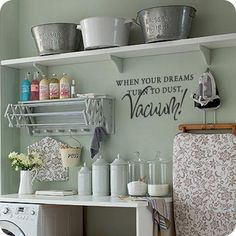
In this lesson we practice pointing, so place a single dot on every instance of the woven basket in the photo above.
(70, 156)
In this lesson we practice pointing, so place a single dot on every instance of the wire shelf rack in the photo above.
(76, 116)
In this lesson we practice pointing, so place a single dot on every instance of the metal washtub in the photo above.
(166, 22)
(54, 38)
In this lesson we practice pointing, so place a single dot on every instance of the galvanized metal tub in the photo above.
(54, 38)
(166, 22)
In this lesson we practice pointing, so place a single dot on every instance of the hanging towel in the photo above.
(160, 214)
(204, 184)
(98, 136)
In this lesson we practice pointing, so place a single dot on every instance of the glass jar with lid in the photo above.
(158, 171)
(137, 185)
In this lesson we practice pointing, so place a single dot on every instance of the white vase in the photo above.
(26, 182)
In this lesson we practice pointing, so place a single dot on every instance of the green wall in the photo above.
(9, 85)
(213, 16)
(143, 134)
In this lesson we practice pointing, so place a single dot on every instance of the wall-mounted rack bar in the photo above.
(64, 116)
(220, 126)
(204, 45)
(72, 113)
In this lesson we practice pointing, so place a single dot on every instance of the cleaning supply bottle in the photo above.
(25, 88)
(64, 86)
(44, 88)
(73, 89)
(34, 87)
(54, 87)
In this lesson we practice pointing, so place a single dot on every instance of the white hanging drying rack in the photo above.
(63, 116)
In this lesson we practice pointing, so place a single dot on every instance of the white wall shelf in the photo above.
(204, 45)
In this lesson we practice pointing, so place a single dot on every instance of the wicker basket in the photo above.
(70, 156)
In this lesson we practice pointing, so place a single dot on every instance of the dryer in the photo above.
(40, 220)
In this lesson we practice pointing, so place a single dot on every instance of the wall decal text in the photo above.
(140, 95)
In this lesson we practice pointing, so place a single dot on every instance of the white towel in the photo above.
(204, 184)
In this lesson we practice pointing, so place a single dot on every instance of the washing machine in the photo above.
(40, 220)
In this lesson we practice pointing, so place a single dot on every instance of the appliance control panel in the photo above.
(18, 211)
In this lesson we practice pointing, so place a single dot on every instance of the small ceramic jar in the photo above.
(85, 181)
(119, 177)
(100, 177)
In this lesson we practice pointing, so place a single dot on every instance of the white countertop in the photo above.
(73, 200)
(76, 200)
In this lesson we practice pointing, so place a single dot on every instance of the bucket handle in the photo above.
(192, 13)
(127, 21)
(75, 139)
(136, 21)
(35, 172)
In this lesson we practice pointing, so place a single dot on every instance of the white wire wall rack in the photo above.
(77, 116)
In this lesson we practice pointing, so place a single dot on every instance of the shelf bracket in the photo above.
(206, 53)
(118, 62)
(43, 70)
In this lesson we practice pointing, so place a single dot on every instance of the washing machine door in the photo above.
(9, 228)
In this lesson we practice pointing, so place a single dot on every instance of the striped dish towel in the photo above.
(161, 218)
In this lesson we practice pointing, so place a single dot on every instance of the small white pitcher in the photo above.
(26, 182)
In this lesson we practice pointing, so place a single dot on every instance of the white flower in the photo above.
(12, 155)
(25, 162)
(14, 162)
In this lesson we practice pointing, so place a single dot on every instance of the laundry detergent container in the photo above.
(105, 31)
(166, 22)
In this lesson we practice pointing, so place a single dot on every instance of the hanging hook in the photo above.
(204, 116)
(71, 136)
(40, 69)
(215, 117)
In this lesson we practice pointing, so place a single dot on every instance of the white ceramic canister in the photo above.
(85, 181)
(100, 177)
(119, 177)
